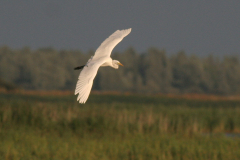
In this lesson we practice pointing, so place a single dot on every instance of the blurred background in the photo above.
(174, 47)
(177, 96)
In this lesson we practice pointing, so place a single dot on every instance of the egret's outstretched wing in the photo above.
(102, 55)
(85, 80)
(107, 46)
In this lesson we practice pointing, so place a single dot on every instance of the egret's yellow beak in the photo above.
(120, 64)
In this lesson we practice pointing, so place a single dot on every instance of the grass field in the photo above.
(109, 127)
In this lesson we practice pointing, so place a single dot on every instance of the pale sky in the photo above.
(199, 27)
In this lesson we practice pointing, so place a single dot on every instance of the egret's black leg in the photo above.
(79, 67)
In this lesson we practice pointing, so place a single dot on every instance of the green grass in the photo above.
(117, 127)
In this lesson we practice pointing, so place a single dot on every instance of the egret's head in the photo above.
(116, 64)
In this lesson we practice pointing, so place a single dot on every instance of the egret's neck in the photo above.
(109, 62)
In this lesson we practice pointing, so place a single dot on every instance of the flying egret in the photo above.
(100, 59)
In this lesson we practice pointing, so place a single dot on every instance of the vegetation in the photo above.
(7, 86)
(118, 127)
(153, 71)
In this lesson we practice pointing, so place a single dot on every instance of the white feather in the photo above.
(101, 58)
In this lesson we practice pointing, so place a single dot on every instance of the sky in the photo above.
(197, 27)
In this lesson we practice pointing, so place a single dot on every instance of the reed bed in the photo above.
(117, 127)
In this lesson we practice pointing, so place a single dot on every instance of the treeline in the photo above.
(152, 72)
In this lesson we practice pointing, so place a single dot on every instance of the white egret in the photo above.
(100, 59)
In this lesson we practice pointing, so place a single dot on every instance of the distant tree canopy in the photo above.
(150, 72)
(7, 86)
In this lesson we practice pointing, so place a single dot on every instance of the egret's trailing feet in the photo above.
(79, 67)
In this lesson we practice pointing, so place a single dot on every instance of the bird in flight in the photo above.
(101, 58)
